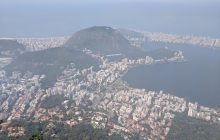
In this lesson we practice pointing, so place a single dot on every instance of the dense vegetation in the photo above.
(187, 128)
(105, 41)
(39, 131)
(102, 40)
(52, 101)
(50, 62)
(37, 136)
(10, 48)
(4, 136)
(161, 53)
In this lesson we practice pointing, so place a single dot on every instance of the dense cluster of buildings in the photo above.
(36, 44)
(171, 38)
(194, 40)
(100, 98)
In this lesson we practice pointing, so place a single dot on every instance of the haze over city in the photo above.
(109, 69)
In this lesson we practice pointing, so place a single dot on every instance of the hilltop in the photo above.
(103, 40)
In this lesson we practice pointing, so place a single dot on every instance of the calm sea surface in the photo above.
(197, 80)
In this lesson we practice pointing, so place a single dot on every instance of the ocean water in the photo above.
(196, 80)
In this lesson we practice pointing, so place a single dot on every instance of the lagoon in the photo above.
(197, 80)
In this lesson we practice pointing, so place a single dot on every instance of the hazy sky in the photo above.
(29, 18)
(105, 1)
